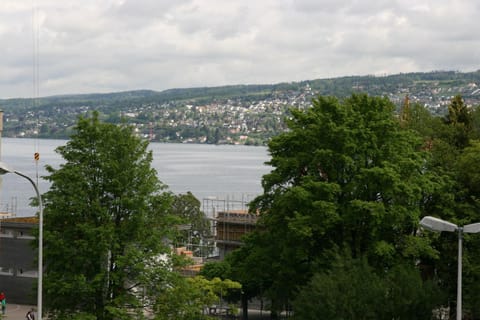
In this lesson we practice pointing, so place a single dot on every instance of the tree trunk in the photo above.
(244, 307)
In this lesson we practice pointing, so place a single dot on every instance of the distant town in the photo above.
(243, 114)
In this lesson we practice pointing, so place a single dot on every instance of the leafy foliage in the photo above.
(351, 289)
(188, 298)
(106, 216)
(345, 176)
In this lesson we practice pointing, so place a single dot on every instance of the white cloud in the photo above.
(112, 45)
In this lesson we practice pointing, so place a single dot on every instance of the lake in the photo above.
(226, 173)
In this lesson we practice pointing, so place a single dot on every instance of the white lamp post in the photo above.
(436, 224)
(6, 169)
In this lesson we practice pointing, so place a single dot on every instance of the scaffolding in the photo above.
(230, 222)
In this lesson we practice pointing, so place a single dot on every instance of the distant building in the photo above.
(18, 271)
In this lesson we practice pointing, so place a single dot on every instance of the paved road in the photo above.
(16, 311)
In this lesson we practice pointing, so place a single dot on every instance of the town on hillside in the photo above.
(243, 114)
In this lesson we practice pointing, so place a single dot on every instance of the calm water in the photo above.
(208, 171)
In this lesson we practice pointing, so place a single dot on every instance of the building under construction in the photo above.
(230, 222)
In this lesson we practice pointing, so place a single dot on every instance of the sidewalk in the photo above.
(16, 311)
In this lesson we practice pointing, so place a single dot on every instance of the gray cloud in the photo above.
(113, 45)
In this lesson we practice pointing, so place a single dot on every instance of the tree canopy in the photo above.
(106, 218)
(347, 179)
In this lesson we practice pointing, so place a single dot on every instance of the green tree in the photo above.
(106, 216)
(351, 289)
(216, 269)
(476, 122)
(189, 298)
(197, 231)
(345, 175)
(222, 270)
(463, 209)
(419, 119)
(252, 265)
(460, 119)
(453, 159)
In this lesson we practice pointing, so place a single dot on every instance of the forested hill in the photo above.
(228, 114)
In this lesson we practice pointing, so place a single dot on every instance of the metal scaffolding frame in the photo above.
(230, 221)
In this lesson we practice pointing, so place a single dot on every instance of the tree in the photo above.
(217, 136)
(106, 216)
(460, 119)
(352, 289)
(345, 175)
(216, 269)
(252, 265)
(454, 161)
(463, 209)
(453, 158)
(198, 229)
(419, 119)
(190, 297)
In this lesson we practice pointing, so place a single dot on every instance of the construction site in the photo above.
(229, 220)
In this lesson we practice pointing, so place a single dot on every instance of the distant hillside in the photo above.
(226, 114)
(413, 83)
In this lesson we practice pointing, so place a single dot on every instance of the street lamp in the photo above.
(436, 224)
(6, 169)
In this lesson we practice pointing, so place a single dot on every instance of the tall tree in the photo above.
(106, 215)
(345, 176)
(460, 205)
(460, 119)
(453, 156)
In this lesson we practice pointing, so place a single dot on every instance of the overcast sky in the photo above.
(92, 46)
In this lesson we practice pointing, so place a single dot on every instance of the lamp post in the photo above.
(439, 225)
(6, 169)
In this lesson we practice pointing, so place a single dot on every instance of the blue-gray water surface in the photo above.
(223, 172)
